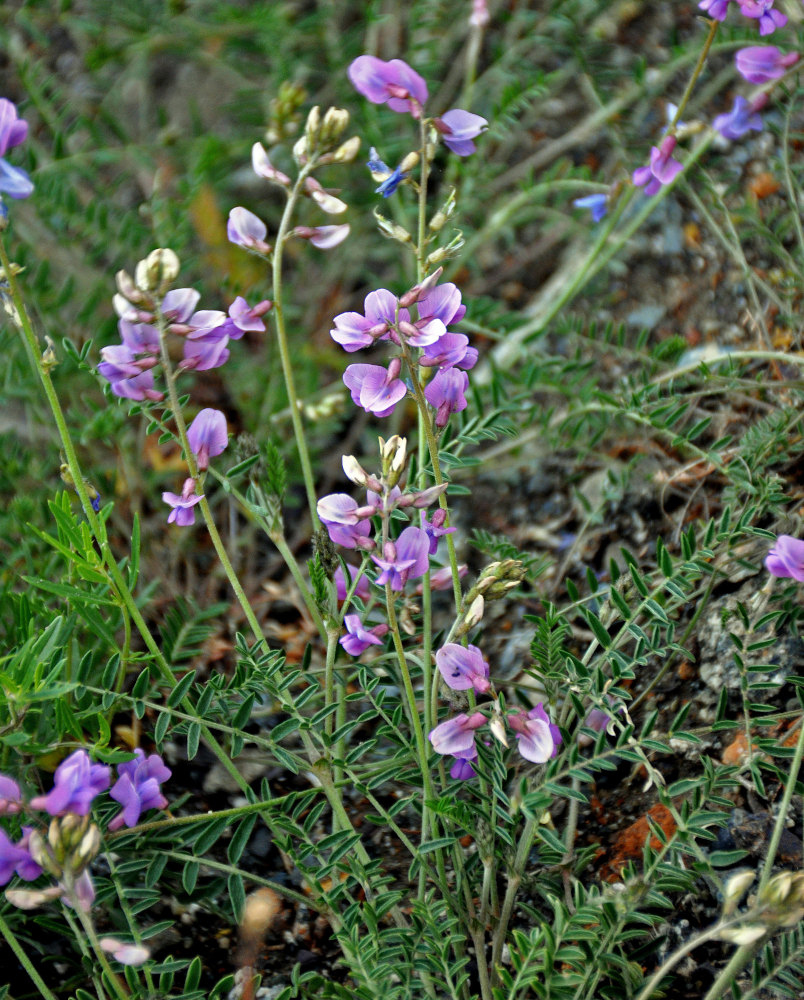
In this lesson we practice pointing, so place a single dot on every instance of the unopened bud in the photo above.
(429, 496)
(391, 229)
(497, 726)
(335, 123)
(347, 151)
(313, 127)
(42, 854)
(259, 913)
(409, 162)
(87, 849)
(419, 291)
(354, 471)
(394, 456)
(734, 890)
(157, 272)
(300, 150)
(130, 292)
(445, 212)
(49, 359)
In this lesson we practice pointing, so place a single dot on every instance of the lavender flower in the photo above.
(462, 769)
(14, 181)
(354, 330)
(716, 9)
(459, 128)
(346, 523)
(183, 513)
(741, 119)
(10, 796)
(455, 736)
(407, 559)
(15, 858)
(445, 393)
(264, 168)
(662, 170)
(207, 436)
(128, 375)
(137, 788)
(246, 230)
(538, 738)
(393, 83)
(323, 237)
(375, 389)
(125, 953)
(786, 558)
(435, 529)
(762, 63)
(596, 203)
(769, 19)
(452, 350)
(75, 784)
(359, 638)
(463, 668)
(342, 587)
(205, 352)
(244, 318)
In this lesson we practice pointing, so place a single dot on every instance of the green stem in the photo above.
(96, 525)
(682, 104)
(514, 879)
(783, 811)
(89, 929)
(22, 957)
(282, 341)
(735, 965)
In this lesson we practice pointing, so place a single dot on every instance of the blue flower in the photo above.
(380, 171)
(596, 203)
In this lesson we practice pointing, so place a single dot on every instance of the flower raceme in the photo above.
(76, 782)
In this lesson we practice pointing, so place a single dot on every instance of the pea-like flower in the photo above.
(458, 128)
(537, 737)
(786, 558)
(10, 796)
(663, 167)
(742, 118)
(406, 559)
(207, 436)
(763, 63)
(596, 203)
(716, 9)
(446, 393)
(14, 181)
(393, 83)
(182, 504)
(463, 668)
(358, 638)
(137, 787)
(456, 736)
(247, 230)
(762, 10)
(374, 388)
(75, 784)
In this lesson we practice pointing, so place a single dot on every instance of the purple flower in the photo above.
(244, 317)
(456, 736)
(741, 119)
(407, 559)
(182, 513)
(75, 784)
(207, 436)
(375, 389)
(137, 788)
(179, 304)
(359, 638)
(452, 350)
(463, 668)
(762, 63)
(16, 858)
(596, 203)
(354, 330)
(435, 528)
(716, 9)
(445, 393)
(10, 796)
(129, 376)
(538, 737)
(342, 587)
(264, 168)
(462, 768)
(459, 128)
(786, 558)
(246, 230)
(662, 170)
(205, 352)
(393, 83)
(346, 523)
(442, 302)
(139, 338)
(14, 181)
(769, 19)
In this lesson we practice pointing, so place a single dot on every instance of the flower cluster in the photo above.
(72, 841)
(150, 312)
(14, 181)
(757, 64)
